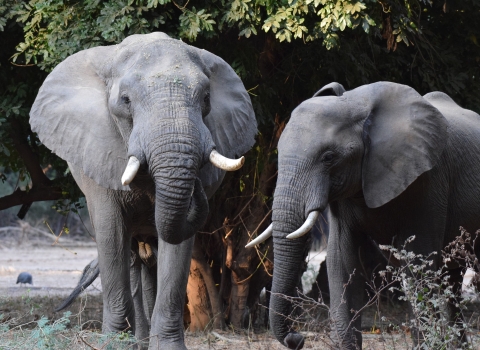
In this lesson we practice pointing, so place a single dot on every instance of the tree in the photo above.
(283, 50)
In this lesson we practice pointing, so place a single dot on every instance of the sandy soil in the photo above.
(55, 270)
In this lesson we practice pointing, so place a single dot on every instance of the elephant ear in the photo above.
(332, 89)
(71, 117)
(231, 120)
(404, 136)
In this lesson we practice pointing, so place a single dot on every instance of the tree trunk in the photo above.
(198, 304)
(239, 312)
(218, 321)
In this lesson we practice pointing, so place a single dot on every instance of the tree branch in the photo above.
(29, 157)
(38, 193)
(42, 187)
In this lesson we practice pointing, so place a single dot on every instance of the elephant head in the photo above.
(155, 105)
(368, 144)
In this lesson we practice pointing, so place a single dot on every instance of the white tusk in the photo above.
(225, 163)
(307, 225)
(261, 238)
(130, 171)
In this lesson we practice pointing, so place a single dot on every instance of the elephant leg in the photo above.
(149, 283)
(345, 285)
(141, 322)
(173, 268)
(114, 251)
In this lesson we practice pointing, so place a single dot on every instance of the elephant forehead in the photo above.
(327, 110)
(315, 125)
(158, 58)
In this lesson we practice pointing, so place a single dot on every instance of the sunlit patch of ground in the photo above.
(55, 270)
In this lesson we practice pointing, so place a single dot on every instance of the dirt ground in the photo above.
(56, 270)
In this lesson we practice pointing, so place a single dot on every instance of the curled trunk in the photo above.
(177, 225)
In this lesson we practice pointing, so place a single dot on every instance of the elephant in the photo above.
(148, 128)
(390, 164)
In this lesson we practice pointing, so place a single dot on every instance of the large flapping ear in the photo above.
(71, 117)
(231, 120)
(404, 136)
(332, 89)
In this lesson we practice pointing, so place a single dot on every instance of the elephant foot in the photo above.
(155, 344)
(142, 345)
(294, 340)
(349, 341)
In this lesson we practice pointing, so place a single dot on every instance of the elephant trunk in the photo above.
(174, 157)
(291, 205)
(289, 265)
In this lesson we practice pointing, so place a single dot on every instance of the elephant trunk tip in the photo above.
(294, 340)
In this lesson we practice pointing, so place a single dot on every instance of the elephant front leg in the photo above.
(114, 251)
(346, 290)
(173, 268)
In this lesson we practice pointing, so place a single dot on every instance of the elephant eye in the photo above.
(206, 105)
(125, 99)
(328, 157)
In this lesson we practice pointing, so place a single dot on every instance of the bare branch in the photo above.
(36, 194)
(29, 157)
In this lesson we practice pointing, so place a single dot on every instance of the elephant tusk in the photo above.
(225, 163)
(131, 170)
(261, 238)
(307, 225)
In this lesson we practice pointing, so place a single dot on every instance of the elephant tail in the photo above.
(89, 274)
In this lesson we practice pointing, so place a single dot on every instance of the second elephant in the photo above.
(390, 164)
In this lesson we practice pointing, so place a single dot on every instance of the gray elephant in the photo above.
(390, 164)
(144, 126)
